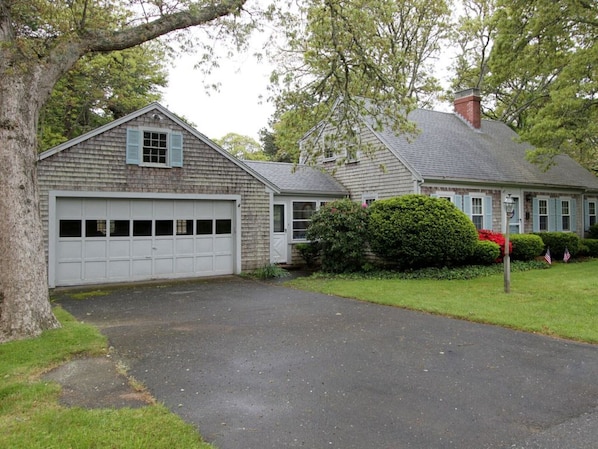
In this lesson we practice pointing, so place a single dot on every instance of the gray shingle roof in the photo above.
(298, 179)
(449, 148)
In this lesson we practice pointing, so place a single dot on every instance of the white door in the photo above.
(279, 234)
(115, 240)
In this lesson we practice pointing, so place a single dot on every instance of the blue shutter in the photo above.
(176, 149)
(467, 205)
(573, 212)
(552, 215)
(586, 214)
(535, 216)
(133, 146)
(459, 202)
(488, 212)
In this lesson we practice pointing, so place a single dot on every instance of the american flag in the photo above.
(547, 257)
(566, 256)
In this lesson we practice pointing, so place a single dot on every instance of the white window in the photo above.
(368, 198)
(477, 212)
(543, 214)
(565, 215)
(591, 213)
(155, 147)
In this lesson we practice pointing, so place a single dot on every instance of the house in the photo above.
(471, 162)
(149, 197)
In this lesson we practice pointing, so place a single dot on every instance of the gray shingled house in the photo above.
(471, 162)
(149, 197)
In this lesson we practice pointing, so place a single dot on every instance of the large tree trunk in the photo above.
(24, 301)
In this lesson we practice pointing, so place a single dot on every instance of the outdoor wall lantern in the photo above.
(510, 212)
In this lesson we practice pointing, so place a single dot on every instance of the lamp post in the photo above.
(510, 210)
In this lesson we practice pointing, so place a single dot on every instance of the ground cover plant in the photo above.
(560, 301)
(31, 416)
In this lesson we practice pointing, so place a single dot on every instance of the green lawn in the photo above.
(560, 301)
(31, 416)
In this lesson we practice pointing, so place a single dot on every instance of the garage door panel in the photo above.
(95, 270)
(142, 209)
(119, 269)
(70, 208)
(69, 250)
(96, 249)
(95, 208)
(142, 248)
(137, 239)
(163, 247)
(223, 244)
(119, 248)
(204, 245)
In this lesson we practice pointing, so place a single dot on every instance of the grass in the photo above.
(561, 301)
(31, 416)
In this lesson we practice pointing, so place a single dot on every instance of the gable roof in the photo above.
(448, 148)
(161, 110)
(298, 179)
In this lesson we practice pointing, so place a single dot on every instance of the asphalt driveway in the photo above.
(256, 366)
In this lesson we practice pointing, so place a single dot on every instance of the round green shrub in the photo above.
(417, 231)
(558, 241)
(485, 252)
(526, 246)
(590, 247)
(340, 228)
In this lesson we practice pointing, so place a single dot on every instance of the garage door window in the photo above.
(70, 228)
(120, 228)
(184, 227)
(142, 228)
(95, 228)
(224, 227)
(204, 227)
(164, 227)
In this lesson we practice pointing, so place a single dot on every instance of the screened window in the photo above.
(302, 212)
(154, 147)
(279, 218)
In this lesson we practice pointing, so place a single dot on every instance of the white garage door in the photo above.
(113, 240)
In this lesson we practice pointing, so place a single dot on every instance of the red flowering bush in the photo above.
(498, 238)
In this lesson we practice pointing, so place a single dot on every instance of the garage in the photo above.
(103, 239)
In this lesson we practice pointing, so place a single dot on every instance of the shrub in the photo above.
(590, 247)
(418, 231)
(486, 252)
(340, 228)
(558, 241)
(270, 271)
(526, 246)
(497, 238)
(310, 252)
(593, 231)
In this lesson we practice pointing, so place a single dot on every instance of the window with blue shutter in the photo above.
(155, 148)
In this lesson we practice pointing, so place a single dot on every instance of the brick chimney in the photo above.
(467, 105)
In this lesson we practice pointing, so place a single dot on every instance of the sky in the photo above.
(235, 108)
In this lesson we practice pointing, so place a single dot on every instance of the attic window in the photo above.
(154, 147)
